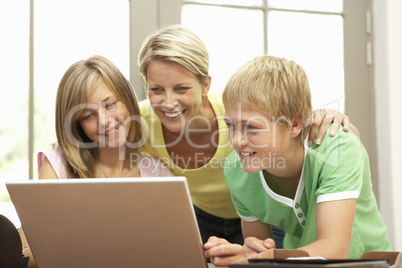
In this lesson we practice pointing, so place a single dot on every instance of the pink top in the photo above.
(149, 166)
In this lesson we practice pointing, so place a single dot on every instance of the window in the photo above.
(311, 33)
(230, 41)
(78, 30)
(14, 88)
(63, 33)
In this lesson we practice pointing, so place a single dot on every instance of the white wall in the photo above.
(387, 21)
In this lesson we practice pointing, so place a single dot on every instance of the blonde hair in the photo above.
(276, 87)
(177, 44)
(77, 84)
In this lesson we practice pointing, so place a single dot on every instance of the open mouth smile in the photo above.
(173, 115)
(110, 131)
(244, 155)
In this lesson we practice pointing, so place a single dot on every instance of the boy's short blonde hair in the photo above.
(273, 86)
(174, 43)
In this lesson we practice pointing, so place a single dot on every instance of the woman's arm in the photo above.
(334, 222)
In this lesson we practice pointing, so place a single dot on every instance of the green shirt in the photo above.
(337, 169)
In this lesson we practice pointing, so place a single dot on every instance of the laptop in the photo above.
(114, 222)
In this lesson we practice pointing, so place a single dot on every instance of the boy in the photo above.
(321, 196)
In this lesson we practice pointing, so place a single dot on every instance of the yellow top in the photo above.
(208, 187)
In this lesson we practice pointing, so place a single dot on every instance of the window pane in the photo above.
(232, 36)
(316, 43)
(14, 86)
(312, 5)
(250, 3)
(68, 31)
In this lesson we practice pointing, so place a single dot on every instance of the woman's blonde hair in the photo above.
(77, 84)
(177, 44)
(273, 86)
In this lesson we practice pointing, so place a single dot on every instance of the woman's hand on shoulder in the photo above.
(322, 120)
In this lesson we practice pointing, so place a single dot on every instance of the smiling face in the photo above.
(175, 93)
(260, 142)
(103, 121)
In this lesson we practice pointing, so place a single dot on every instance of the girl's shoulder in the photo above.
(56, 158)
(52, 152)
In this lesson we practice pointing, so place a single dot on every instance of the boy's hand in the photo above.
(322, 119)
(221, 252)
(254, 245)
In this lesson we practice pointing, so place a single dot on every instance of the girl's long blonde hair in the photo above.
(77, 84)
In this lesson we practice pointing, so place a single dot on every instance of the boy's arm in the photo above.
(334, 222)
(256, 229)
(323, 118)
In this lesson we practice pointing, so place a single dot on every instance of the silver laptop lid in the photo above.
(115, 222)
